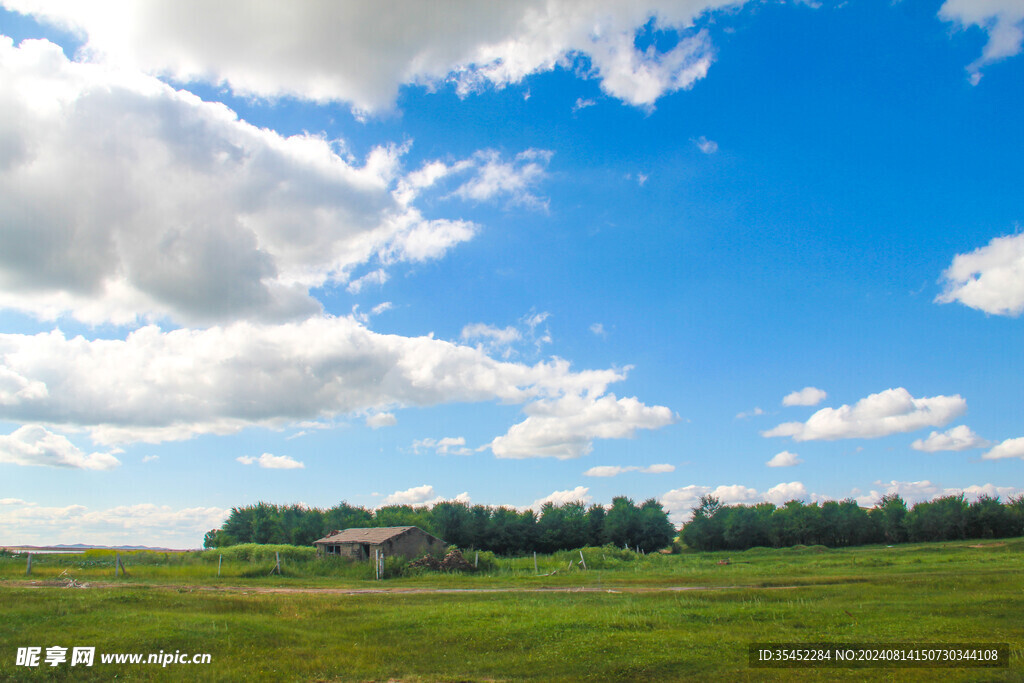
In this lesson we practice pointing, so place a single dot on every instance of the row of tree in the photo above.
(834, 524)
(502, 530)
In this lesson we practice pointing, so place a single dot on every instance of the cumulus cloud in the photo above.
(35, 445)
(784, 459)
(156, 386)
(374, 277)
(490, 338)
(565, 427)
(578, 494)
(989, 279)
(750, 413)
(925, 490)
(1002, 20)
(449, 445)
(783, 493)
(959, 438)
(363, 54)
(515, 180)
(421, 495)
(137, 524)
(808, 396)
(616, 470)
(888, 412)
(378, 420)
(270, 461)
(1011, 448)
(680, 502)
(125, 199)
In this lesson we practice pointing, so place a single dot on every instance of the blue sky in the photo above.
(533, 251)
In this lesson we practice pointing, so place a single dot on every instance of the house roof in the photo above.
(372, 536)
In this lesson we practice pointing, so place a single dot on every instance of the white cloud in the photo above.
(515, 180)
(565, 428)
(449, 445)
(783, 493)
(784, 459)
(615, 470)
(374, 277)
(1003, 20)
(138, 524)
(272, 462)
(151, 458)
(378, 420)
(989, 279)
(750, 413)
(1010, 448)
(959, 438)
(580, 494)
(679, 502)
(421, 495)
(598, 329)
(35, 445)
(808, 396)
(582, 104)
(156, 386)
(925, 490)
(706, 146)
(362, 54)
(991, 490)
(125, 199)
(888, 412)
(492, 335)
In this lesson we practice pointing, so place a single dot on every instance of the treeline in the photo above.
(835, 524)
(502, 530)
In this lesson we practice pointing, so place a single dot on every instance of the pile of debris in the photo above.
(455, 562)
(452, 562)
(426, 562)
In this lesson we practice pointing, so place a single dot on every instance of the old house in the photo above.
(360, 544)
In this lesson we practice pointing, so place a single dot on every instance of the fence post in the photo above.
(220, 561)
(535, 570)
(583, 561)
(28, 570)
(278, 566)
(476, 560)
(117, 564)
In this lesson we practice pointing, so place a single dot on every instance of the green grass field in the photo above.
(622, 619)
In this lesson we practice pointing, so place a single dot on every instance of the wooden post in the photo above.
(28, 570)
(535, 570)
(277, 553)
(583, 561)
(476, 560)
(220, 561)
(117, 564)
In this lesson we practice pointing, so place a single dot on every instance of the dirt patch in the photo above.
(987, 545)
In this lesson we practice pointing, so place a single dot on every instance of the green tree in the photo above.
(622, 523)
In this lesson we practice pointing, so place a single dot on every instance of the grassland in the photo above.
(621, 620)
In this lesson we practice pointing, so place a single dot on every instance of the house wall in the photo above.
(412, 544)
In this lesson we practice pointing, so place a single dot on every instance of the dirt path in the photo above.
(183, 588)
